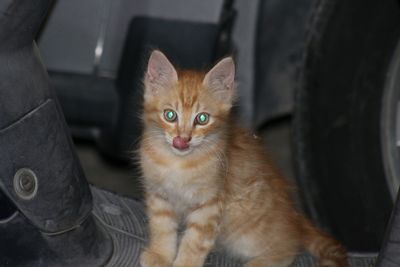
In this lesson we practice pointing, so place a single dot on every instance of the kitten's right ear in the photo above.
(160, 74)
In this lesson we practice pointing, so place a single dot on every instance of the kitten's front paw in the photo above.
(152, 259)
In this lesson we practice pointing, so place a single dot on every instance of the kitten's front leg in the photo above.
(163, 223)
(199, 238)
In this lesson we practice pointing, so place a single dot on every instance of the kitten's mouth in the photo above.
(181, 145)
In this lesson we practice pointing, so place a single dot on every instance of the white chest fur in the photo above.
(183, 187)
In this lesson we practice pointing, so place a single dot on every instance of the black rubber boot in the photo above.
(45, 200)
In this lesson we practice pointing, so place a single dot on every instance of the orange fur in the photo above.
(223, 188)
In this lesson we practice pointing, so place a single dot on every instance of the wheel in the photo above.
(341, 123)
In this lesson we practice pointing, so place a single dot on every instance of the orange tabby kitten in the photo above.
(200, 168)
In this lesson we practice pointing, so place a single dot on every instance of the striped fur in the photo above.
(223, 189)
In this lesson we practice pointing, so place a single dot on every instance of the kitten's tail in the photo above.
(329, 252)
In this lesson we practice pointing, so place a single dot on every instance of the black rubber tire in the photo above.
(337, 118)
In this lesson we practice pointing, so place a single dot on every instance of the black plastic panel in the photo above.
(38, 142)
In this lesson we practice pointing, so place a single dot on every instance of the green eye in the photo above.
(170, 115)
(202, 118)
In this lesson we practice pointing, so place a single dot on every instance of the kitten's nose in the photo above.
(181, 143)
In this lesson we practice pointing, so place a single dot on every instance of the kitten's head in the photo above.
(189, 110)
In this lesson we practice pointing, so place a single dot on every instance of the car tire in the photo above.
(337, 120)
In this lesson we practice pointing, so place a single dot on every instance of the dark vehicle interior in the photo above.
(318, 80)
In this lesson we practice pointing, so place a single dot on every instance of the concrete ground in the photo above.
(108, 175)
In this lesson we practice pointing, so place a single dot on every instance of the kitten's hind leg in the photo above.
(265, 262)
(161, 250)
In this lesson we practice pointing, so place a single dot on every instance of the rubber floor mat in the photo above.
(125, 220)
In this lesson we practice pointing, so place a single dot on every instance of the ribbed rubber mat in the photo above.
(125, 221)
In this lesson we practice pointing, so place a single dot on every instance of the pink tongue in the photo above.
(180, 143)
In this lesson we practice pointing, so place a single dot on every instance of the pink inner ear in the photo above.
(151, 71)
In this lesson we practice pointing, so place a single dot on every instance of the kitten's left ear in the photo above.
(220, 80)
